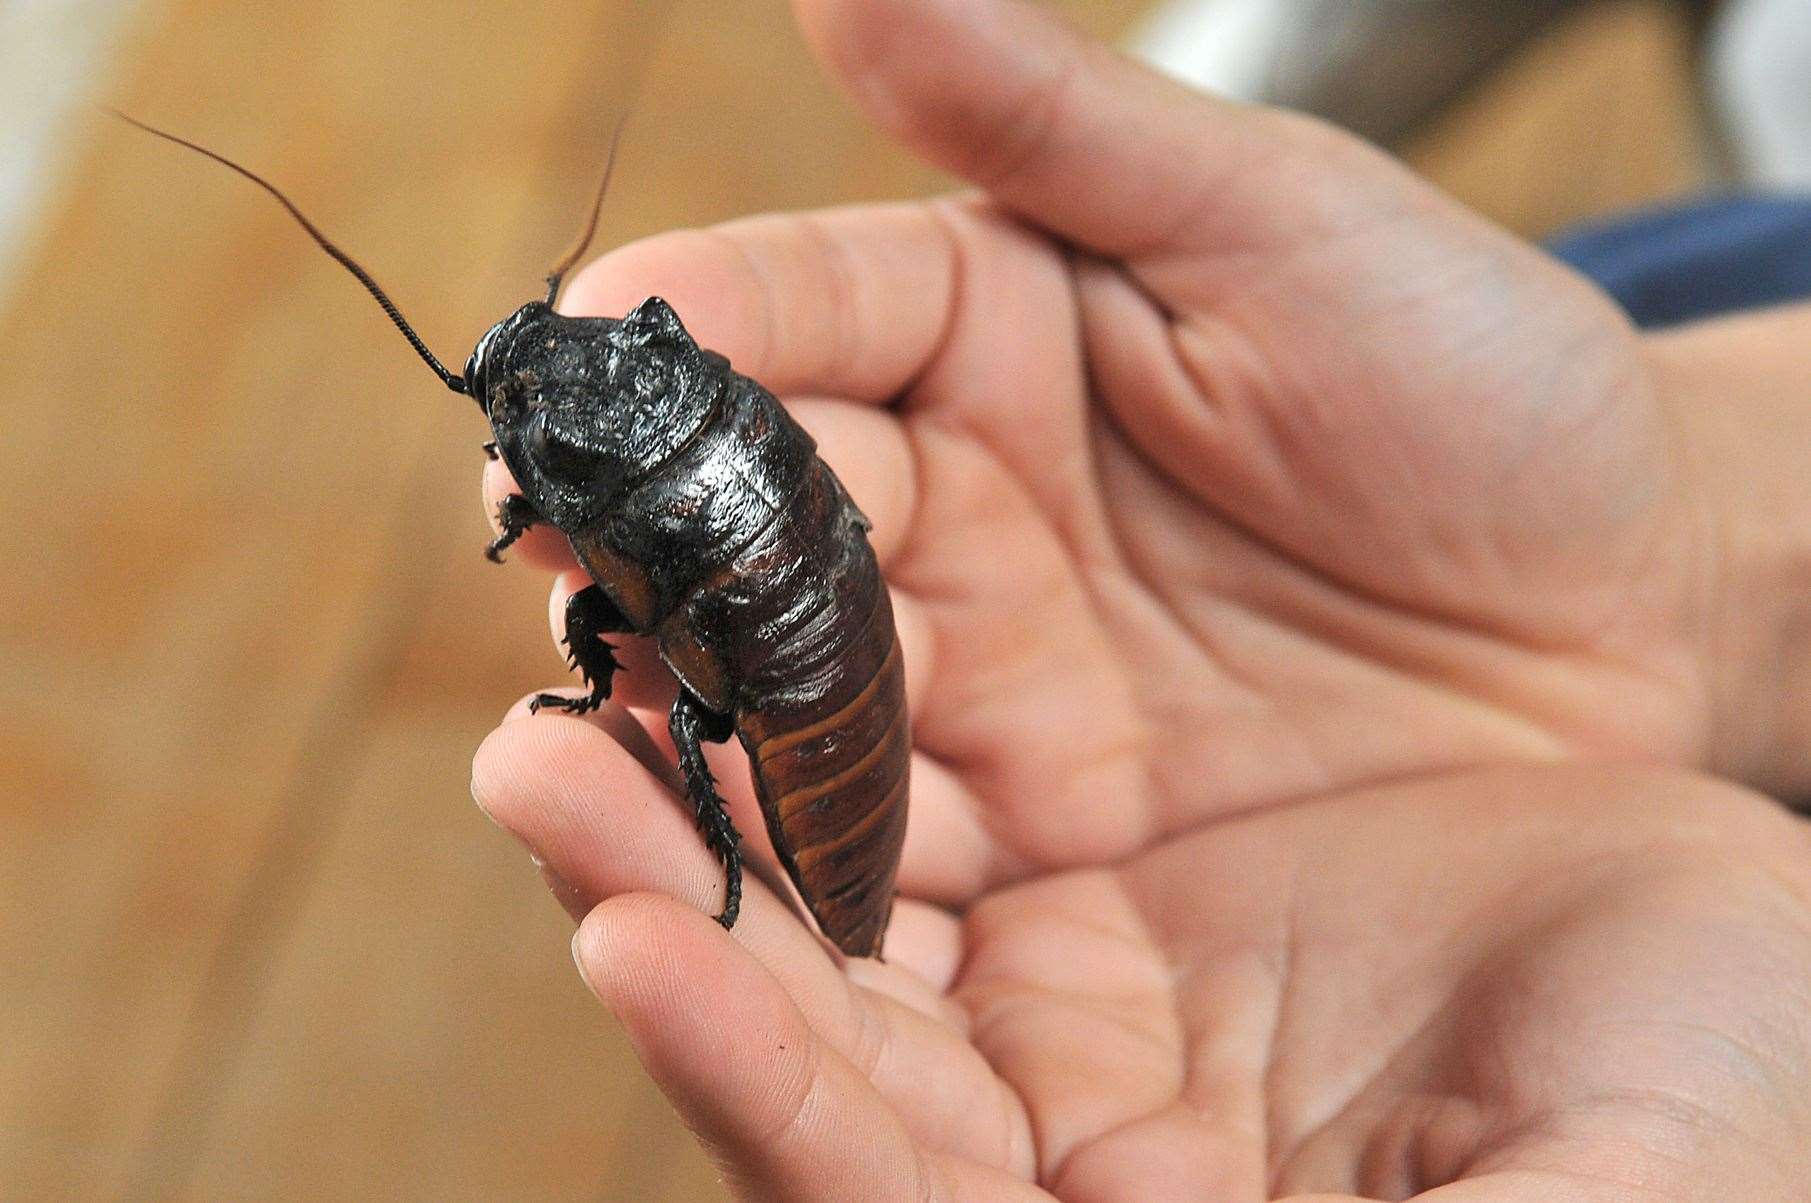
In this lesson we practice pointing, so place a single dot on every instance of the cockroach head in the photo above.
(581, 407)
(535, 346)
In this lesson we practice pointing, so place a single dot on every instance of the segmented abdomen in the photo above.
(832, 780)
(804, 621)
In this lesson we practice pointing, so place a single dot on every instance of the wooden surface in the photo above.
(257, 943)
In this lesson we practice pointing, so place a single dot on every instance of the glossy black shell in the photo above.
(703, 511)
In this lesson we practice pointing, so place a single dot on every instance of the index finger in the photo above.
(850, 303)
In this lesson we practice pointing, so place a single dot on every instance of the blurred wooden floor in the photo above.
(256, 942)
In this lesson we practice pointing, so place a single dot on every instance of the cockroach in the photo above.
(707, 521)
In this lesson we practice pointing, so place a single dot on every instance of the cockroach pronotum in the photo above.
(706, 520)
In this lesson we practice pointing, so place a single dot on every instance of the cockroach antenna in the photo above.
(558, 274)
(456, 383)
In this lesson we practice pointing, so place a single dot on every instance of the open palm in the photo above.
(1300, 477)
(1215, 464)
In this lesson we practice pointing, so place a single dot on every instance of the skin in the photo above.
(1315, 604)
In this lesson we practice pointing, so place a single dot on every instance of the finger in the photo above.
(848, 303)
(786, 1114)
(543, 546)
(1081, 139)
(603, 825)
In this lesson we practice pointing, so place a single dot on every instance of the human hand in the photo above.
(1296, 477)
(1603, 1001)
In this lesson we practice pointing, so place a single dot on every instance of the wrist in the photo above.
(1738, 393)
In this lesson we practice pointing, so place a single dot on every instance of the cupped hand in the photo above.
(1222, 473)
(1214, 460)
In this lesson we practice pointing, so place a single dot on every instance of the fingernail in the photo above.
(570, 898)
(578, 960)
(478, 800)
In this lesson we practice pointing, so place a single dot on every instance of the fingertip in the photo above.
(954, 79)
(982, 89)
(526, 772)
(624, 727)
(520, 709)
(487, 770)
(1101, 149)
(499, 482)
(565, 584)
(511, 768)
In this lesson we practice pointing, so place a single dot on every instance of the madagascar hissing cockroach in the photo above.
(706, 520)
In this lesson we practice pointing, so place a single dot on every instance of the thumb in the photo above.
(1080, 139)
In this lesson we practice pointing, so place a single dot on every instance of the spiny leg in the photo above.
(515, 515)
(590, 615)
(691, 723)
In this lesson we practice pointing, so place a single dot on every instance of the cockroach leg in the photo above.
(515, 515)
(590, 615)
(691, 723)
(490, 450)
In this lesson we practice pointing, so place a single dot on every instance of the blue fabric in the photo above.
(1677, 264)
